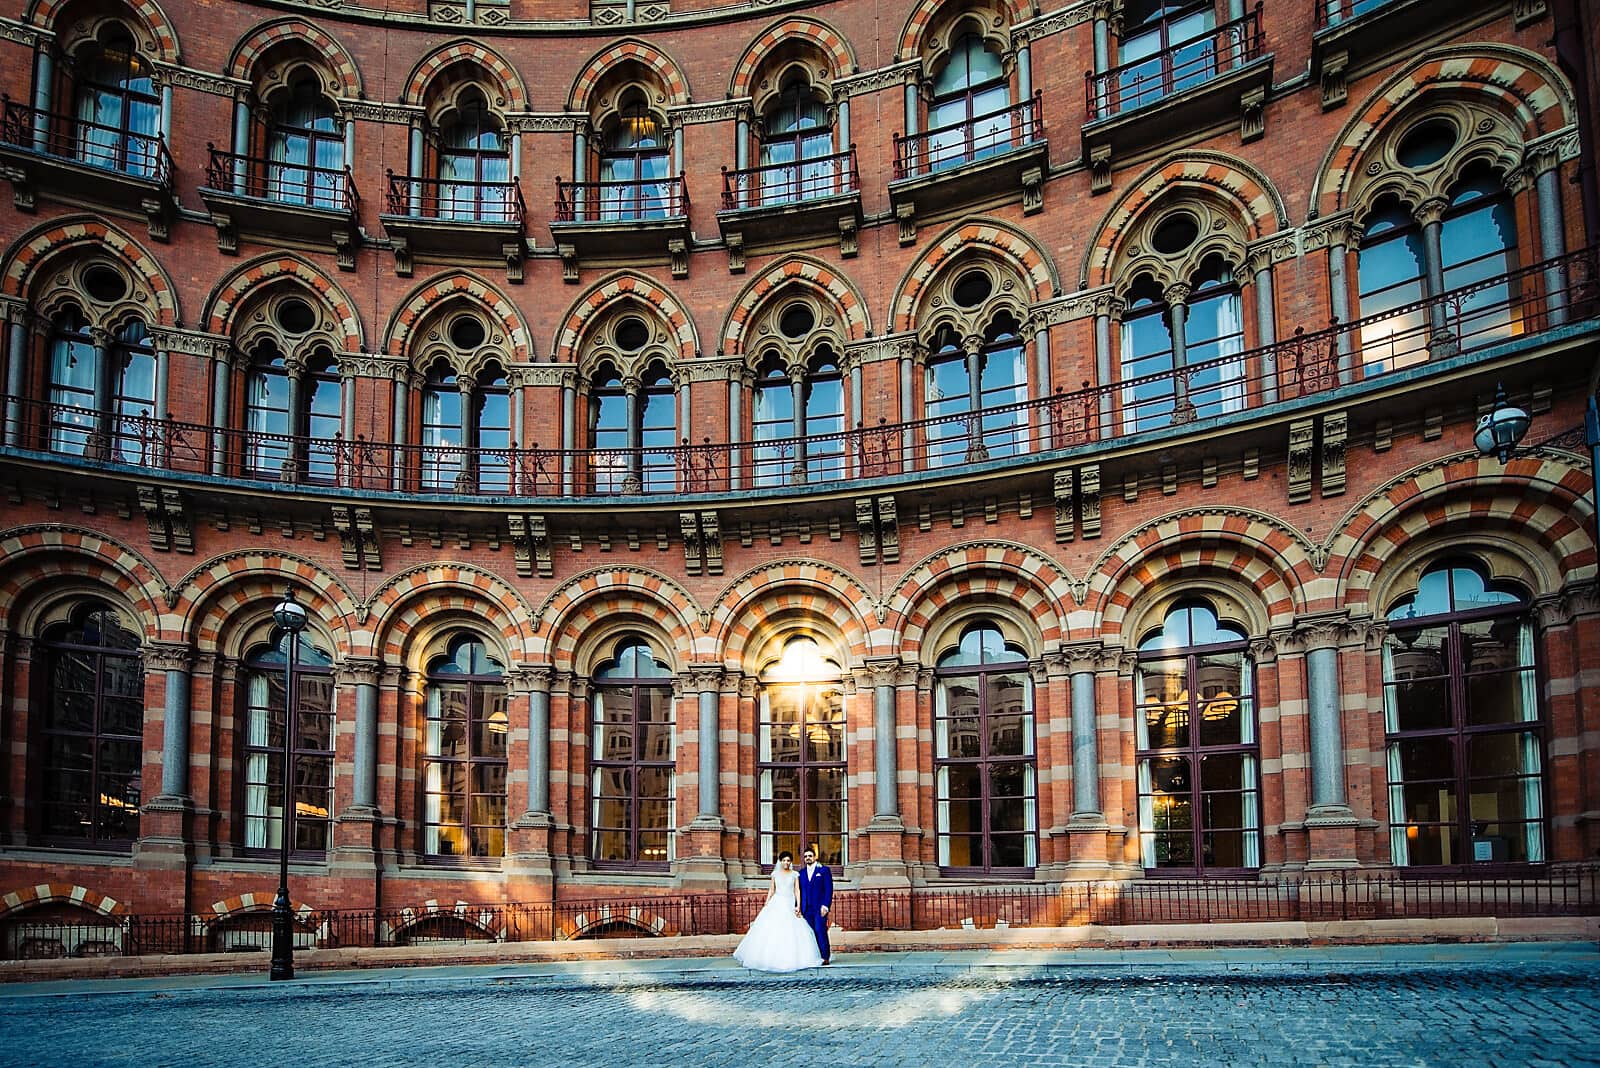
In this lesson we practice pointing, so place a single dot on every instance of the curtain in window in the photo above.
(257, 814)
(433, 789)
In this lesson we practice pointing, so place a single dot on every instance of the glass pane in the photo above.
(1010, 851)
(1224, 849)
(1503, 754)
(1429, 802)
(825, 742)
(1224, 717)
(655, 782)
(1426, 758)
(611, 846)
(961, 851)
(613, 741)
(655, 741)
(610, 813)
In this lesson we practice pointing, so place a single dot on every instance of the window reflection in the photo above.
(801, 756)
(633, 755)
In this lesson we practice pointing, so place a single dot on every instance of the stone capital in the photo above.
(703, 678)
(359, 671)
(1327, 631)
(168, 656)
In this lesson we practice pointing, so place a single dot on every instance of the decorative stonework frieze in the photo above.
(358, 538)
(710, 370)
(1084, 304)
(190, 342)
(879, 527)
(702, 542)
(719, 111)
(1066, 504)
(198, 80)
(20, 33)
(874, 80)
(530, 545)
(1055, 22)
(1302, 435)
(1335, 429)
(549, 123)
(166, 518)
(167, 656)
(1335, 89)
(1089, 500)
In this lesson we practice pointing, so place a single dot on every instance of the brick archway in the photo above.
(1008, 244)
(31, 555)
(926, 11)
(404, 604)
(1011, 571)
(824, 38)
(473, 52)
(214, 591)
(41, 894)
(50, 240)
(233, 291)
(414, 307)
(622, 286)
(831, 287)
(249, 51)
(631, 49)
(591, 597)
(165, 34)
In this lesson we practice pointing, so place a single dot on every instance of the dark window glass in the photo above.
(443, 433)
(772, 424)
(305, 148)
(493, 428)
(464, 754)
(312, 740)
(324, 417)
(474, 166)
(117, 110)
(632, 759)
(1393, 276)
(800, 766)
(967, 120)
(1477, 242)
(267, 419)
(658, 428)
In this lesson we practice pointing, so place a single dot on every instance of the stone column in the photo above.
(220, 393)
(354, 853)
(362, 673)
(1024, 72)
(1105, 310)
(16, 360)
(1259, 267)
(633, 481)
(797, 401)
(736, 388)
(1552, 230)
(1430, 214)
(1340, 240)
(414, 164)
(241, 140)
(99, 444)
(1177, 298)
(569, 428)
(700, 864)
(528, 860)
(1330, 825)
(399, 420)
(44, 81)
(165, 831)
(1041, 383)
(1086, 829)
(911, 109)
(885, 678)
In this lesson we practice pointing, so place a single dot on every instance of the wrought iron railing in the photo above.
(955, 144)
(639, 200)
(284, 182)
(1333, 12)
(1345, 896)
(451, 199)
(113, 148)
(1489, 313)
(1182, 66)
(774, 184)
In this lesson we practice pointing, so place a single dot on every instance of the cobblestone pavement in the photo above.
(1526, 1005)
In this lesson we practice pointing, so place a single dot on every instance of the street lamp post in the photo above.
(1499, 433)
(290, 616)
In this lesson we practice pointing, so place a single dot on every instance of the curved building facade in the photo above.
(994, 442)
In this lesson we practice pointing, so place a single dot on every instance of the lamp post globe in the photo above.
(1498, 432)
(290, 616)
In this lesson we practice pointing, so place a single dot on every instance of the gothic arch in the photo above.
(401, 607)
(41, 894)
(430, 294)
(479, 917)
(985, 570)
(248, 53)
(927, 12)
(804, 272)
(583, 602)
(810, 32)
(37, 249)
(628, 50)
(34, 554)
(793, 588)
(618, 287)
(1001, 240)
(230, 294)
(212, 594)
(163, 34)
(513, 94)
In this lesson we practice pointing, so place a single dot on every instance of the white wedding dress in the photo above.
(779, 940)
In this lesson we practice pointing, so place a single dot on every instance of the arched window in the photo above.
(966, 118)
(1464, 724)
(491, 427)
(1199, 793)
(1147, 398)
(608, 431)
(1161, 340)
(1392, 273)
(100, 407)
(464, 753)
(311, 738)
(442, 429)
(633, 758)
(1166, 46)
(474, 165)
(658, 430)
(92, 730)
(324, 417)
(1003, 384)
(959, 384)
(983, 755)
(800, 766)
(117, 110)
(824, 419)
(771, 421)
(796, 141)
(1477, 242)
(1213, 327)
(947, 402)
(267, 414)
(634, 165)
(305, 148)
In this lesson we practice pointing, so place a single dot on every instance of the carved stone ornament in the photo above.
(874, 80)
(167, 656)
(371, 111)
(1055, 22)
(359, 671)
(190, 342)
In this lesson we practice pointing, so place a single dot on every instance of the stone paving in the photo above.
(1371, 1006)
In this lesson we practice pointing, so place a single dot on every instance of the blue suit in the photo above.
(816, 893)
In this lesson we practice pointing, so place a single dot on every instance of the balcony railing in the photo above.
(453, 200)
(639, 200)
(1489, 313)
(283, 182)
(1182, 66)
(956, 144)
(777, 184)
(140, 155)
(1344, 897)
(1333, 12)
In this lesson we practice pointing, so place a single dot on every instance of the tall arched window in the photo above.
(464, 753)
(796, 139)
(1002, 384)
(983, 755)
(311, 738)
(771, 421)
(608, 431)
(324, 417)
(634, 163)
(1213, 328)
(1392, 272)
(1165, 46)
(491, 426)
(947, 402)
(633, 758)
(74, 374)
(1477, 242)
(1198, 757)
(1180, 355)
(474, 165)
(267, 415)
(800, 765)
(442, 428)
(966, 118)
(959, 384)
(658, 430)
(117, 110)
(99, 407)
(305, 147)
(92, 730)
(1465, 729)
(824, 419)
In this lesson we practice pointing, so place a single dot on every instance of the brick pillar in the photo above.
(699, 865)
(884, 866)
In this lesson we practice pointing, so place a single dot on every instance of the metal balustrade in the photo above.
(283, 181)
(1333, 12)
(795, 182)
(635, 200)
(1498, 310)
(453, 199)
(945, 147)
(1184, 65)
(113, 148)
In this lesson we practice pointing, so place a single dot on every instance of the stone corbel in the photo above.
(530, 544)
(1527, 12)
(1100, 170)
(1066, 500)
(569, 262)
(344, 248)
(1334, 87)
(1089, 500)
(735, 241)
(678, 249)
(906, 215)
(21, 189)
(849, 239)
(1253, 115)
(1302, 434)
(227, 236)
(158, 217)
(1335, 429)
(1033, 190)
(512, 251)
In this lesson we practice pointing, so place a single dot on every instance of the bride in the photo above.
(779, 940)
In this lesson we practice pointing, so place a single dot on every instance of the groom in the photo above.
(816, 898)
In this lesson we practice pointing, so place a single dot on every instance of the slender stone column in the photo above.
(1177, 297)
(414, 164)
(911, 109)
(1024, 72)
(1102, 46)
(221, 389)
(797, 400)
(1431, 215)
(1339, 242)
(100, 437)
(399, 425)
(634, 480)
(1104, 312)
(736, 388)
(1330, 825)
(708, 684)
(16, 358)
(886, 795)
(1552, 231)
(1259, 266)
(177, 663)
(241, 141)
(741, 148)
(363, 674)
(1085, 742)
(539, 680)
(43, 85)
(569, 430)
(844, 125)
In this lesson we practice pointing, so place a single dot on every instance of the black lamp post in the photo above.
(1500, 431)
(290, 616)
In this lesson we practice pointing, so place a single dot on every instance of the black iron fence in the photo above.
(1388, 895)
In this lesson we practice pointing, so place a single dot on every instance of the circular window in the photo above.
(1175, 233)
(631, 334)
(1426, 144)
(295, 316)
(796, 321)
(971, 289)
(104, 284)
(466, 332)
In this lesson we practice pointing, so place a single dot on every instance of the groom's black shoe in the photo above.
(827, 962)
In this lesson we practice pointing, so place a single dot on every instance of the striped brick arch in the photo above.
(1246, 190)
(596, 597)
(799, 587)
(1540, 500)
(434, 292)
(999, 239)
(230, 294)
(646, 55)
(987, 570)
(603, 915)
(1263, 554)
(411, 599)
(923, 15)
(512, 91)
(479, 917)
(215, 592)
(1529, 91)
(48, 241)
(621, 287)
(231, 908)
(44, 13)
(798, 272)
(248, 53)
(42, 894)
(32, 556)
(818, 35)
